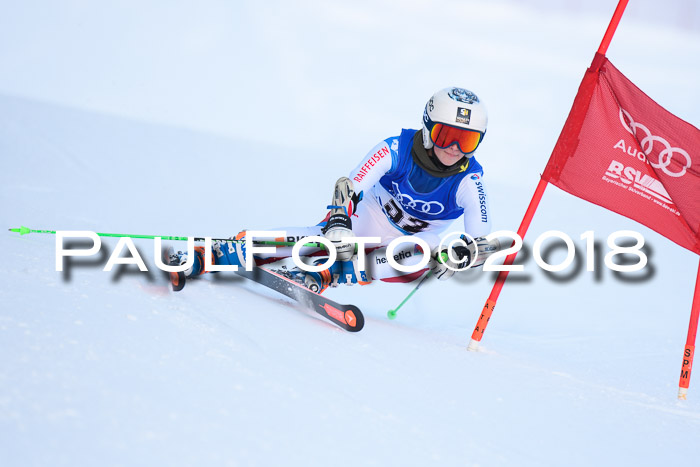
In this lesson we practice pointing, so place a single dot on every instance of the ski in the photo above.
(177, 279)
(348, 317)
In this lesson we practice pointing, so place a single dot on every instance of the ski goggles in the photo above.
(444, 136)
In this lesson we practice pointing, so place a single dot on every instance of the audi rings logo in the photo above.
(426, 207)
(667, 153)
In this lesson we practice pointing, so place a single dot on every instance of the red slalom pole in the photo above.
(501, 279)
(487, 311)
(612, 27)
(689, 350)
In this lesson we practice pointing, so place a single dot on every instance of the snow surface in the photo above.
(166, 119)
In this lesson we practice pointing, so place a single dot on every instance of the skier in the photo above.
(417, 184)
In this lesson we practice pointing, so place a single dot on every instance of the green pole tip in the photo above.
(391, 314)
(22, 230)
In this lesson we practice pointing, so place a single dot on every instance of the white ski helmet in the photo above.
(458, 108)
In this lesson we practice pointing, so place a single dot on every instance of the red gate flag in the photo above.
(621, 150)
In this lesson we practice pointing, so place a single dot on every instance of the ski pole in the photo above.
(26, 230)
(391, 314)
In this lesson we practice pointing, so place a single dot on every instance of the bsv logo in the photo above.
(636, 179)
(661, 159)
(426, 207)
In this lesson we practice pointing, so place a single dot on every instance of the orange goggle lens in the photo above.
(444, 136)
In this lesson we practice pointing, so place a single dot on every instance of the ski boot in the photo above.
(223, 253)
(197, 268)
(177, 279)
(316, 282)
(339, 225)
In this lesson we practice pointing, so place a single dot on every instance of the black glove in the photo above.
(443, 265)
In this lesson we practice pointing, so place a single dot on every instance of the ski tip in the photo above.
(177, 280)
(349, 318)
(355, 319)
